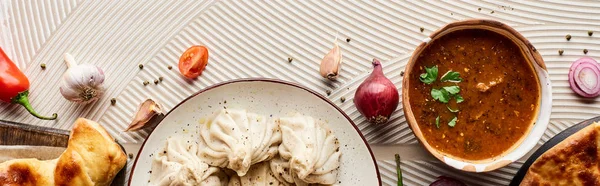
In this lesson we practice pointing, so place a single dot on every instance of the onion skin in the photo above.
(575, 74)
(377, 97)
(447, 181)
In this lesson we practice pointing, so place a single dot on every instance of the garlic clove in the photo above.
(146, 111)
(331, 63)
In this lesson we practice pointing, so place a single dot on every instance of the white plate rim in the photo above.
(269, 80)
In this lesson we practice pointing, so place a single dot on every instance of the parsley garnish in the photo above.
(444, 94)
(430, 75)
(452, 89)
(451, 76)
(452, 122)
(459, 99)
(451, 110)
(440, 94)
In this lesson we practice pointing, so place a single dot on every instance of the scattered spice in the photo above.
(585, 51)
(290, 59)
(568, 37)
(348, 40)
(146, 83)
(43, 65)
(113, 101)
(479, 9)
(560, 52)
(343, 99)
(492, 12)
(141, 66)
(590, 33)
(170, 67)
(156, 81)
(401, 73)
(131, 157)
(160, 78)
(328, 92)
(422, 29)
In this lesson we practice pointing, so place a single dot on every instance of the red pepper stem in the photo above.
(22, 99)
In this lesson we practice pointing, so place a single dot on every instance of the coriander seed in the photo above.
(113, 101)
(43, 65)
(169, 67)
(328, 92)
(568, 37)
(141, 66)
(560, 52)
(422, 29)
(585, 51)
(156, 81)
(348, 40)
(590, 33)
(343, 99)
(146, 83)
(290, 59)
(160, 79)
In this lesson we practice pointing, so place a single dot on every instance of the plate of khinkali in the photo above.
(255, 132)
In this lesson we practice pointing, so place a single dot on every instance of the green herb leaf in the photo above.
(430, 75)
(398, 169)
(437, 122)
(459, 99)
(451, 76)
(452, 122)
(452, 89)
(440, 94)
(451, 110)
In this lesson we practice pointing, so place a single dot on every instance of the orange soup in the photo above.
(488, 103)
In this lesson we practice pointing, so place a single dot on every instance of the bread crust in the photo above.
(92, 158)
(574, 161)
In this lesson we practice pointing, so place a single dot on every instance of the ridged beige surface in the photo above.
(254, 39)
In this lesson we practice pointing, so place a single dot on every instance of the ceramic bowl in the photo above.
(269, 97)
(527, 141)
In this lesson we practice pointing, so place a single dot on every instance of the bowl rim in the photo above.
(268, 80)
(527, 49)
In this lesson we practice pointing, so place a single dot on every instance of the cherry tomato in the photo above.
(193, 61)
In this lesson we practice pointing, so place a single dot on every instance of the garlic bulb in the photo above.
(81, 83)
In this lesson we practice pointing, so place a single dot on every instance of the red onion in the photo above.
(584, 77)
(447, 181)
(377, 97)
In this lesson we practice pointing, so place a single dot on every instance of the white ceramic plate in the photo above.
(267, 97)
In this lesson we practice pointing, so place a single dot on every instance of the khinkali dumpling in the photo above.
(236, 140)
(178, 165)
(260, 174)
(311, 150)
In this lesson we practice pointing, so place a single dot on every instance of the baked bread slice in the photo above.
(92, 157)
(574, 161)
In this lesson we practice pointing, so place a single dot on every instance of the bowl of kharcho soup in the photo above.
(477, 95)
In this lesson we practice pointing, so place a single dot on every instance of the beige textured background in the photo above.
(254, 39)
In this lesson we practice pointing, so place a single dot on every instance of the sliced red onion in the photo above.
(584, 77)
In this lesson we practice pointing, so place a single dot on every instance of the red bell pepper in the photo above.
(14, 86)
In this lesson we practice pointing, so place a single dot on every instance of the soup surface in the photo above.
(499, 88)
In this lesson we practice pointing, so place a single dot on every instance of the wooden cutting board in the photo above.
(13, 133)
